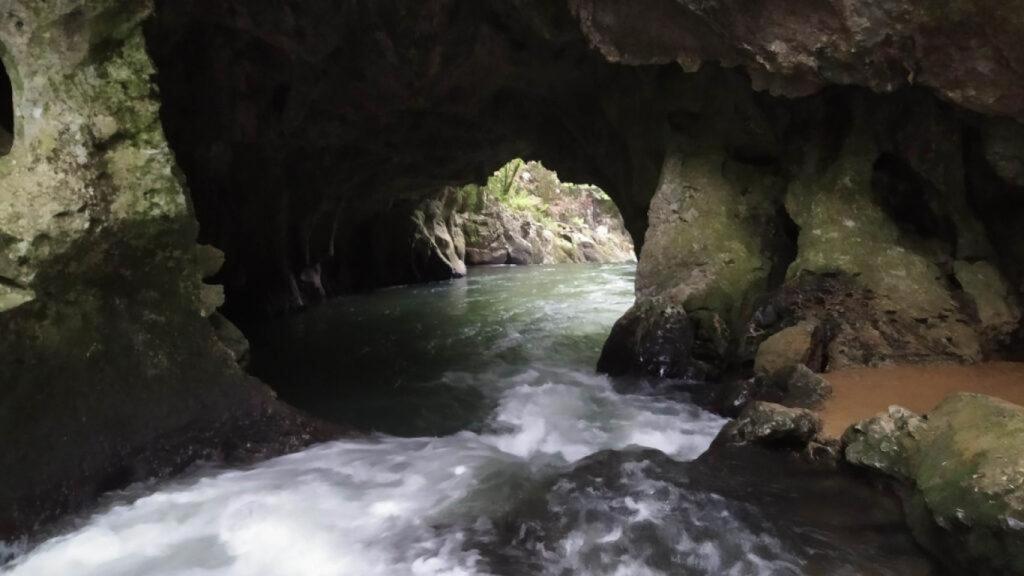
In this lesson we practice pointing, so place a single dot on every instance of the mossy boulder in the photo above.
(963, 468)
(654, 337)
(789, 347)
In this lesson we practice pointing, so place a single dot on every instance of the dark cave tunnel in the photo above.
(309, 132)
(308, 141)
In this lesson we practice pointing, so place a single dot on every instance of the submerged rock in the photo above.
(737, 509)
(963, 471)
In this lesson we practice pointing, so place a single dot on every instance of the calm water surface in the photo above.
(490, 447)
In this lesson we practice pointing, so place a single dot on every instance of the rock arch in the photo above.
(294, 121)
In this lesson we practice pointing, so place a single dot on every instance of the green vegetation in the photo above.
(530, 187)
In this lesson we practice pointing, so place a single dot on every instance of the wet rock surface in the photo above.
(772, 424)
(736, 509)
(962, 472)
(311, 134)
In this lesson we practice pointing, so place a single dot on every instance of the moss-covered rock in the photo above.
(963, 468)
(789, 347)
(102, 328)
(886, 443)
(526, 215)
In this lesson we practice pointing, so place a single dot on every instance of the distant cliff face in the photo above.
(525, 215)
(854, 165)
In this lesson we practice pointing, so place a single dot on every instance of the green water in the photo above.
(491, 448)
(434, 359)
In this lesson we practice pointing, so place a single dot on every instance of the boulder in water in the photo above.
(962, 468)
(772, 424)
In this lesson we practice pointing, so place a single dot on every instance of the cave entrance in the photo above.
(524, 214)
(537, 272)
(6, 112)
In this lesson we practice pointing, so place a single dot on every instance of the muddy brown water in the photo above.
(860, 393)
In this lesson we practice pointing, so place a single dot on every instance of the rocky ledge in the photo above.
(959, 470)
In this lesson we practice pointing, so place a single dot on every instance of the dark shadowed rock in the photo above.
(315, 138)
(794, 387)
(796, 49)
(771, 424)
(654, 338)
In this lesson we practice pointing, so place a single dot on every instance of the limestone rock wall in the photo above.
(108, 370)
(869, 216)
(969, 51)
(858, 170)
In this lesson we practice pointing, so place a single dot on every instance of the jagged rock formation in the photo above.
(967, 50)
(311, 133)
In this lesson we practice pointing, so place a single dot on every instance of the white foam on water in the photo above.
(585, 416)
(389, 506)
(385, 506)
(609, 531)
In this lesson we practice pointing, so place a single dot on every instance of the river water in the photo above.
(488, 446)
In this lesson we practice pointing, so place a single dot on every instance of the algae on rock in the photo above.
(962, 469)
(102, 334)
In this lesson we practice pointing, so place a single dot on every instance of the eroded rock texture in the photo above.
(967, 50)
(302, 125)
(108, 370)
(871, 218)
(962, 471)
(313, 137)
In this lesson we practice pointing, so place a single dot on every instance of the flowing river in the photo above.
(488, 446)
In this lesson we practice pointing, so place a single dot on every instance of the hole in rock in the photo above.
(537, 269)
(6, 112)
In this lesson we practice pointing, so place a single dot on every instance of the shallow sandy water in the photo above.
(861, 393)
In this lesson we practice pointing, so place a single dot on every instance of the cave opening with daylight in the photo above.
(483, 275)
(6, 111)
(232, 230)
